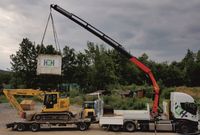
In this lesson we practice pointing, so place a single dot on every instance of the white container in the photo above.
(49, 64)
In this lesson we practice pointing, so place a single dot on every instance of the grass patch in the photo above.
(3, 99)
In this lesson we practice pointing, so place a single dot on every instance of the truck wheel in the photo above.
(184, 129)
(105, 127)
(130, 126)
(82, 126)
(144, 127)
(20, 127)
(34, 127)
(88, 125)
(115, 127)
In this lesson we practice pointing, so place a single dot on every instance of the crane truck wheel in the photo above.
(115, 128)
(20, 127)
(184, 129)
(34, 127)
(129, 126)
(82, 126)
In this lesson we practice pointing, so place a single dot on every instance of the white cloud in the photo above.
(162, 29)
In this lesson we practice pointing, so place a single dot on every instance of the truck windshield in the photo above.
(89, 106)
(190, 107)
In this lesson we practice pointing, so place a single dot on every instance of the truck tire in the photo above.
(34, 127)
(14, 127)
(144, 126)
(115, 128)
(184, 129)
(20, 127)
(129, 126)
(88, 125)
(82, 126)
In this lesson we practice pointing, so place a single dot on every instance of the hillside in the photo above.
(193, 91)
(4, 71)
(5, 77)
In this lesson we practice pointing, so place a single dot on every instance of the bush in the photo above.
(3, 99)
(74, 93)
(77, 100)
(165, 93)
(117, 102)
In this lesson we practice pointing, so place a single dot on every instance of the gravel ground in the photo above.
(8, 114)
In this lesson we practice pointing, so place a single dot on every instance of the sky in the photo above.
(163, 29)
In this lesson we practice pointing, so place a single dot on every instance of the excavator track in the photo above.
(62, 116)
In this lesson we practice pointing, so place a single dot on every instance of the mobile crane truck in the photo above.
(182, 115)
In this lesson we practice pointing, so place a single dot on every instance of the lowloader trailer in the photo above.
(81, 124)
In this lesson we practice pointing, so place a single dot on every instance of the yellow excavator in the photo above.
(54, 107)
(55, 111)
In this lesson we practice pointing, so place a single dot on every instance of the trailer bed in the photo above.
(82, 124)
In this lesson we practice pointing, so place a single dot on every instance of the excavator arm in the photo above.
(116, 46)
(11, 93)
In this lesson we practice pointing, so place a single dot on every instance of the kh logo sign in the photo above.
(49, 62)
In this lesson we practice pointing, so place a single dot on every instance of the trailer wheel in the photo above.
(37, 117)
(34, 127)
(20, 127)
(129, 126)
(82, 126)
(115, 128)
(14, 127)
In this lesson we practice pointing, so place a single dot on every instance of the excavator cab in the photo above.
(50, 100)
(54, 103)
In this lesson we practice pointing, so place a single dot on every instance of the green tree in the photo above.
(82, 70)
(102, 72)
(5, 78)
(126, 71)
(189, 64)
(69, 64)
(198, 57)
(24, 63)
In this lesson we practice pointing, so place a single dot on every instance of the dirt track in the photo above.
(8, 114)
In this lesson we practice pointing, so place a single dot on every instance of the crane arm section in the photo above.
(11, 93)
(116, 46)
